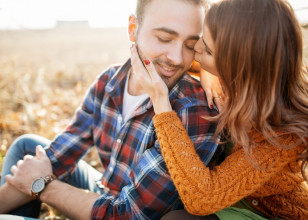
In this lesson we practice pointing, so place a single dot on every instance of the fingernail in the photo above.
(146, 62)
(211, 106)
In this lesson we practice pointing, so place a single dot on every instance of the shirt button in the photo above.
(119, 140)
(255, 202)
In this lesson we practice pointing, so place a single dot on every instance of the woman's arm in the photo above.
(204, 191)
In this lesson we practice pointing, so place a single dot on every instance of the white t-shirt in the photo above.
(130, 102)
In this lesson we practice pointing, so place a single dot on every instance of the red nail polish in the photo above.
(146, 62)
(211, 106)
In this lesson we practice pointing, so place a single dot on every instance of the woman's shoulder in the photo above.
(285, 143)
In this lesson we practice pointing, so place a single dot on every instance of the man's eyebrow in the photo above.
(167, 30)
(194, 37)
(172, 32)
(206, 46)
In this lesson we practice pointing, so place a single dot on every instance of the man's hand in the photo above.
(28, 169)
(72, 202)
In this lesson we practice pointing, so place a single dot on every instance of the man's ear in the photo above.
(132, 27)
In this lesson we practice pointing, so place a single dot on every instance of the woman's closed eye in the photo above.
(207, 51)
(206, 48)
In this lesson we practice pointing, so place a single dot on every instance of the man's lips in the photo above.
(166, 70)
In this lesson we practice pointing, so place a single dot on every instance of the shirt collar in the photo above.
(115, 87)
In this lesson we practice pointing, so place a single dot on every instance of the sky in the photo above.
(37, 14)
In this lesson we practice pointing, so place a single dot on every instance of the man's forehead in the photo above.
(176, 17)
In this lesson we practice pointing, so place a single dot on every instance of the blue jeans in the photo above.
(84, 176)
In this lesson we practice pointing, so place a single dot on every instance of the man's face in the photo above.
(167, 36)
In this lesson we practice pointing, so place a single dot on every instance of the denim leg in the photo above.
(85, 176)
(24, 145)
(14, 217)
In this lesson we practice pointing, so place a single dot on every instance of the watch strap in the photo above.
(47, 179)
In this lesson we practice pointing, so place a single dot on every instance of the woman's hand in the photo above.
(213, 90)
(147, 77)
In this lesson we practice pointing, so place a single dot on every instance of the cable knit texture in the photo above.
(276, 188)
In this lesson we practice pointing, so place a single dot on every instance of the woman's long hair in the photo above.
(258, 53)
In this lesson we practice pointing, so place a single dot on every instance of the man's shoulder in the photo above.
(190, 86)
(190, 93)
(112, 75)
(110, 71)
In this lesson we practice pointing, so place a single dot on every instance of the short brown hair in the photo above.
(141, 5)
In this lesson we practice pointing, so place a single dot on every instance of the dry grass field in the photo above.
(44, 75)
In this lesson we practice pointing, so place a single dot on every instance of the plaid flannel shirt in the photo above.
(130, 153)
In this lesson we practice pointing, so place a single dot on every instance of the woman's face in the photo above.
(205, 51)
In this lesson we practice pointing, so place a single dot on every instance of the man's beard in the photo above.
(169, 81)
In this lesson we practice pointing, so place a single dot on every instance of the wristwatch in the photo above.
(39, 185)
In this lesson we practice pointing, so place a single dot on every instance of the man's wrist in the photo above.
(39, 185)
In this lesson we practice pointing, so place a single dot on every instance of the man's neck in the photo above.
(134, 88)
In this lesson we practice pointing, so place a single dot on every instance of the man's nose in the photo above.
(175, 53)
(198, 46)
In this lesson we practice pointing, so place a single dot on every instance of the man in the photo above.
(116, 117)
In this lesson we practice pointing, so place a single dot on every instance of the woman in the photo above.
(255, 47)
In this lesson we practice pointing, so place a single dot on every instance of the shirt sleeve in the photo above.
(71, 145)
(149, 195)
(204, 191)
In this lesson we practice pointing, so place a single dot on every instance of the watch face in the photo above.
(38, 185)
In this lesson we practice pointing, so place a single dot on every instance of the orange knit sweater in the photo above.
(276, 189)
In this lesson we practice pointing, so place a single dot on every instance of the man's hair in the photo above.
(142, 4)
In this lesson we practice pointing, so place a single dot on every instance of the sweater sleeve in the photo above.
(204, 191)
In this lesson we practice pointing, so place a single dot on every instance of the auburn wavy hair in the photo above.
(258, 54)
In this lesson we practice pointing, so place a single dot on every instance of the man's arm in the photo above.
(13, 198)
(149, 194)
(71, 199)
(74, 142)
(72, 202)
